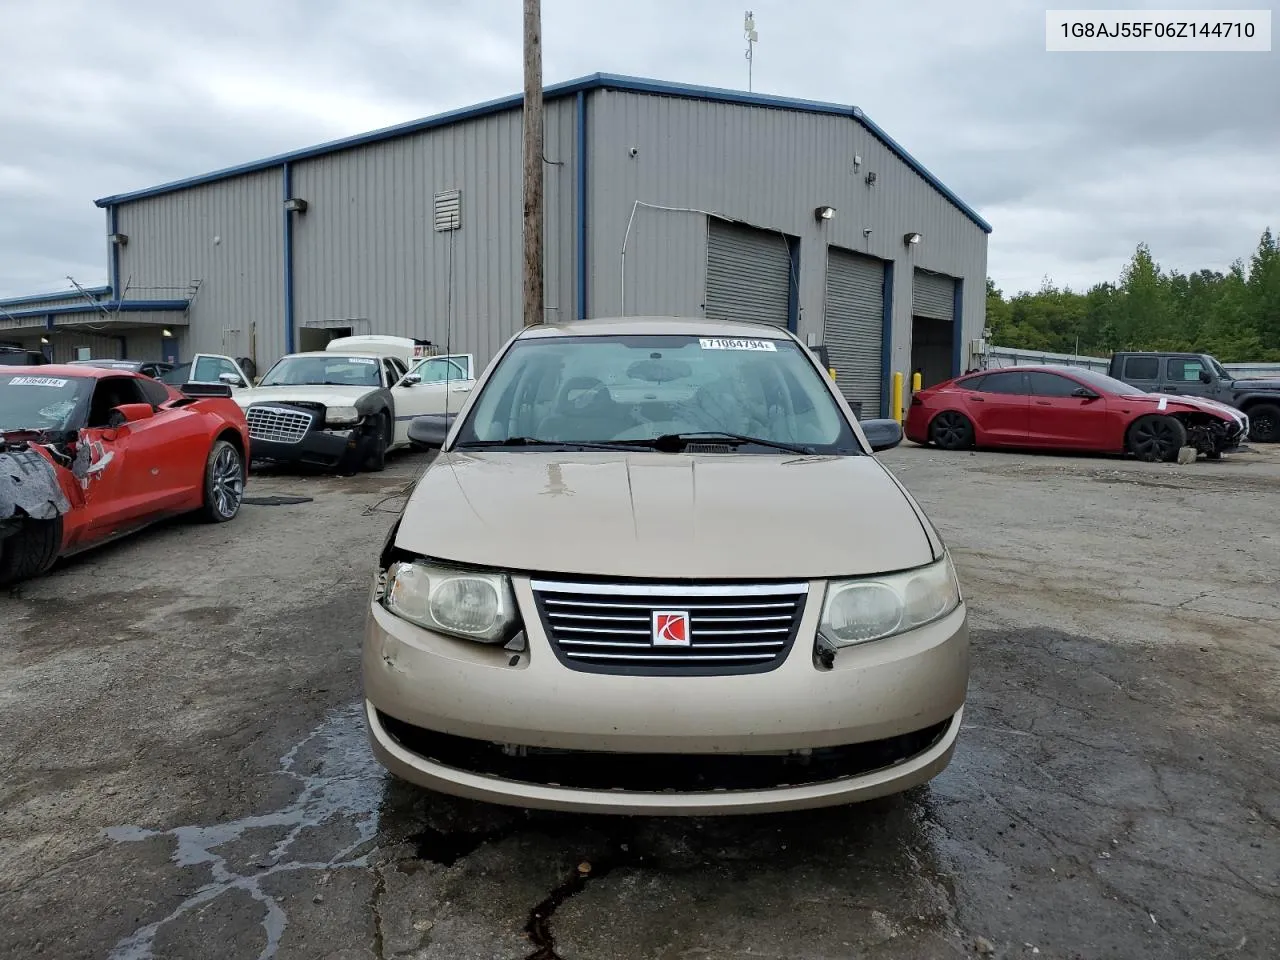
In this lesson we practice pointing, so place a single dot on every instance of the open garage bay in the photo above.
(186, 775)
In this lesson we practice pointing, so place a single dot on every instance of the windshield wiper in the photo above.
(535, 442)
(675, 442)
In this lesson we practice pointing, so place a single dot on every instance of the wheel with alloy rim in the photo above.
(223, 483)
(1264, 423)
(951, 430)
(1156, 438)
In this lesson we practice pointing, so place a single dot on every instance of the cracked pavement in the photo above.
(186, 773)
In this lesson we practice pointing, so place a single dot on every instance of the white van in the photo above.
(407, 349)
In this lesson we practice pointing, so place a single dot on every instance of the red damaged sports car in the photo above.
(89, 454)
(1069, 408)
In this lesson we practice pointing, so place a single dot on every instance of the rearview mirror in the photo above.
(410, 379)
(882, 434)
(1084, 392)
(231, 380)
(1205, 377)
(429, 432)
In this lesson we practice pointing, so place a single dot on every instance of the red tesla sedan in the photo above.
(1069, 408)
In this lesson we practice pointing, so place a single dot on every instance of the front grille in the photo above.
(610, 628)
(278, 424)
(663, 772)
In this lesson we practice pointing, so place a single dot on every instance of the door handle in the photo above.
(978, 399)
(1044, 403)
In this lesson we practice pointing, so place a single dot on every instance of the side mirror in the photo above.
(1084, 393)
(131, 413)
(231, 380)
(882, 434)
(410, 379)
(1205, 377)
(429, 432)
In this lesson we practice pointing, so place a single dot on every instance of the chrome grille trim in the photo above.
(608, 627)
(278, 424)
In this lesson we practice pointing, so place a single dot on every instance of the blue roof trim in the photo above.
(110, 306)
(595, 81)
(72, 294)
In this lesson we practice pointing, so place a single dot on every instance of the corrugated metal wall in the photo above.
(227, 235)
(770, 168)
(367, 247)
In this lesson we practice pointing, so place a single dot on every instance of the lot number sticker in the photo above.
(728, 343)
(36, 382)
(365, 360)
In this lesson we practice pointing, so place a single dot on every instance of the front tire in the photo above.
(1156, 438)
(1264, 423)
(224, 478)
(377, 461)
(951, 431)
(31, 551)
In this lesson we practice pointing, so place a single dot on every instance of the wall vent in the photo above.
(448, 210)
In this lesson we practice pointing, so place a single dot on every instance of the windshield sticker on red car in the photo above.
(37, 382)
(735, 343)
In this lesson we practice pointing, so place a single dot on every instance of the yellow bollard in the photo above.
(832, 371)
(897, 395)
(915, 382)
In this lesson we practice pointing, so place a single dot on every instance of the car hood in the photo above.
(657, 515)
(329, 396)
(1260, 383)
(1223, 410)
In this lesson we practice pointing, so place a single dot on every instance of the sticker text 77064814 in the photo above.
(736, 343)
(37, 382)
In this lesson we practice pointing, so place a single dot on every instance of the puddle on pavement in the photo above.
(341, 787)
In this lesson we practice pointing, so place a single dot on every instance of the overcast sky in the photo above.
(1073, 158)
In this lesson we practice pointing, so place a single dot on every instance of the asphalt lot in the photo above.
(185, 771)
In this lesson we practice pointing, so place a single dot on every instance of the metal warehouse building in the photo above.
(661, 199)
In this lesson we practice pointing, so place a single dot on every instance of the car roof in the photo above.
(638, 326)
(1030, 368)
(330, 354)
(70, 371)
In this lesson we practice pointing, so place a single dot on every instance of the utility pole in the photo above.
(533, 153)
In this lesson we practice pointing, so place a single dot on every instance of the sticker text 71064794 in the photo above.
(736, 343)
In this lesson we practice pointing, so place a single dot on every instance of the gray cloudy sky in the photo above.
(1073, 158)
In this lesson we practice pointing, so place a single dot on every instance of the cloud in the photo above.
(1074, 158)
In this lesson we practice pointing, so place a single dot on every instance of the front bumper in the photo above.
(437, 706)
(318, 448)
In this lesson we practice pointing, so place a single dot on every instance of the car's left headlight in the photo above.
(462, 603)
(341, 416)
(872, 608)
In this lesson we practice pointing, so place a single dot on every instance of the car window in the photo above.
(603, 388)
(29, 402)
(1142, 368)
(440, 369)
(390, 370)
(398, 365)
(1003, 383)
(1183, 370)
(109, 393)
(971, 383)
(209, 369)
(1050, 385)
(337, 370)
(154, 391)
(178, 375)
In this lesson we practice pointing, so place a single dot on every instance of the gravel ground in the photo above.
(186, 773)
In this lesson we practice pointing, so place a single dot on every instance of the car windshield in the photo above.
(30, 402)
(338, 370)
(1219, 370)
(633, 389)
(1102, 383)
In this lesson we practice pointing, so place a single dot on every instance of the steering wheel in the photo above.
(593, 387)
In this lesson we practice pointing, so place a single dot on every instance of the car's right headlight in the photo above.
(463, 603)
(872, 608)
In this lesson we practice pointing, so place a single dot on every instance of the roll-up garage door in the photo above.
(853, 326)
(933, 295)
(748, 274)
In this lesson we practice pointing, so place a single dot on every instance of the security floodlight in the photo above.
(824, 213)
(911, 238)
(296, 205)
(119, 239)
